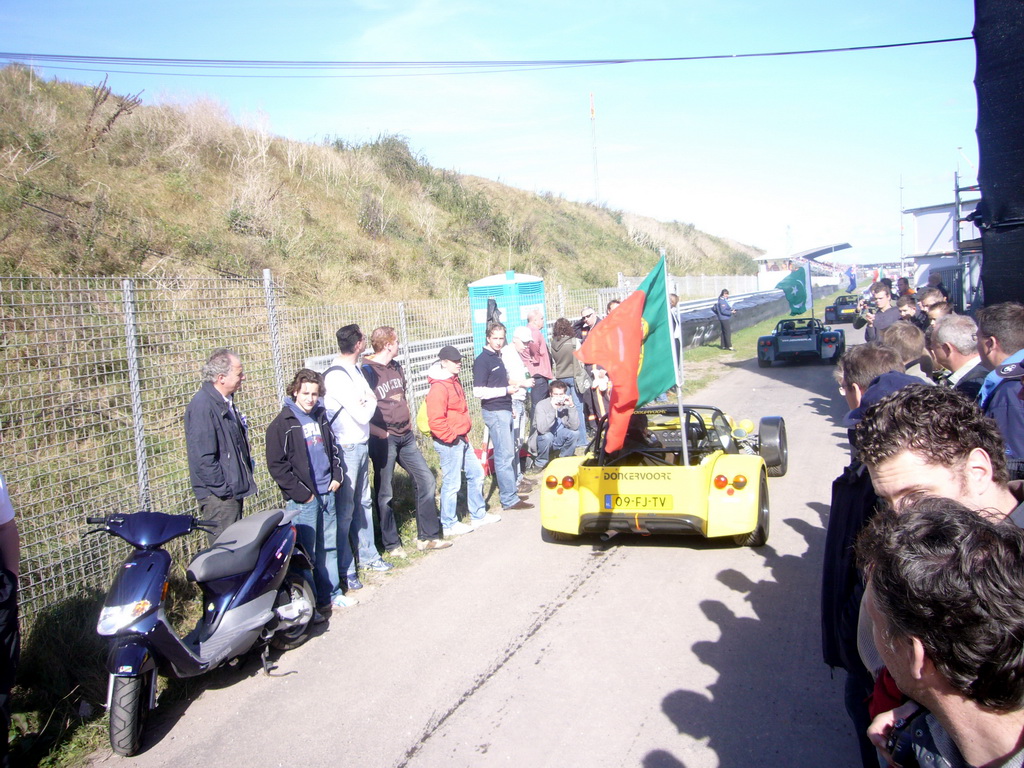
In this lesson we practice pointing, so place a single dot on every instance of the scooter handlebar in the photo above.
(96, 520)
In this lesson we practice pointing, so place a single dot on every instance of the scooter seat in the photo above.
(236, 549)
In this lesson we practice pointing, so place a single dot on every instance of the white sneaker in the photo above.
(487, 519)
(458, 528)
(340, 601)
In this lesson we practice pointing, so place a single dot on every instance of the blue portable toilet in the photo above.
(515, 295)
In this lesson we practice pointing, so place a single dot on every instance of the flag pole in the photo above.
(809, 285)
(684, 454)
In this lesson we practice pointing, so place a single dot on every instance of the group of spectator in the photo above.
(565, 397)
(924, 551)
(334, 427)
(319, 449)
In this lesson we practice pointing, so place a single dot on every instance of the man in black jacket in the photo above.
(216, 436)
(304, 463)
(954, 347)
(866, 374)
(882, 317)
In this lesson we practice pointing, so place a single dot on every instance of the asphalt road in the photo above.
(505, 650)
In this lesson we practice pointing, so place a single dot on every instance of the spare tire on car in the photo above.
(772, 446)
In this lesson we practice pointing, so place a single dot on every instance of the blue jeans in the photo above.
(518, 415)
(570, 384)
(317, 528)
(355, 510)
(454, 459)
(403, 450)
(560, 437)
(499, 424)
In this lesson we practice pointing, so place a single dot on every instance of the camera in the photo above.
(865, 308)
(900, 741)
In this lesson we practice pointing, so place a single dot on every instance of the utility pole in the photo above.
(593, 138)
(902, 216)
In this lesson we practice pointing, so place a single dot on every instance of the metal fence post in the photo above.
(275, 337)
(561, 301)
(403, 344)
(131, 341)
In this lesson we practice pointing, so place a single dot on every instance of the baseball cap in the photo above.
(522, 333)
(450, 353)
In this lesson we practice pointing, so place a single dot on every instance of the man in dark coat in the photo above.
(216, 436)
(866, 374)
(303, 461)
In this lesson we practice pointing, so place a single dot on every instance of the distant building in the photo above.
(937, 234)
(945, 242)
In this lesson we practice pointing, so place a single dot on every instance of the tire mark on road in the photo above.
(598, 559)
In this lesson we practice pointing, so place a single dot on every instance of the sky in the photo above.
(782, 153)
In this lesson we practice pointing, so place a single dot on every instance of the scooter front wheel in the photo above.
(296, 589)
(127, 708)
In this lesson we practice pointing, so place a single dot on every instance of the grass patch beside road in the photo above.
(703, 365)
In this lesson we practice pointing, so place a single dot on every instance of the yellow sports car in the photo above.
(713, 483)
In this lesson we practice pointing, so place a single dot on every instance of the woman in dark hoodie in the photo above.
(565, 366)
(303, 460)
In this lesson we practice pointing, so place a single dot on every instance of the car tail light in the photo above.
(568, 482)
(722, 482)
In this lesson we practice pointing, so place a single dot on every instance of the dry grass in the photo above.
(129, 187)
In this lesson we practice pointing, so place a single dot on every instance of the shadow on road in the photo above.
(761, 711)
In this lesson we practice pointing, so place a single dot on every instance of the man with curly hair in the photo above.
(946, 598)
(933, 441)
(866, 374)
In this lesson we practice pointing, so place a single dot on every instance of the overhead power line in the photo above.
(284, 69)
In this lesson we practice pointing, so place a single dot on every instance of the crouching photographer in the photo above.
(557, 420)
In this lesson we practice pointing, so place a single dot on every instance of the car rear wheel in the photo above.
(759, 536)
(772, 445)
(762, 363)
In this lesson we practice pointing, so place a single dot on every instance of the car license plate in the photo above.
(614, 501)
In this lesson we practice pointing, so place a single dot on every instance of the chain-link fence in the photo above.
(99, 371)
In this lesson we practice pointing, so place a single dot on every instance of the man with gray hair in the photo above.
(954, 348)
(217, 439)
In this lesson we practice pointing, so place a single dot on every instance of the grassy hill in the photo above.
(96, 183)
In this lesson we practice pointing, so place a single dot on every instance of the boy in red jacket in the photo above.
(448, 416)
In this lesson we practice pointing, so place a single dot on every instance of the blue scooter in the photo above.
(256, 595)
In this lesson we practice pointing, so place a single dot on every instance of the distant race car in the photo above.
(713, 483)
(801, 338)
(843, 310)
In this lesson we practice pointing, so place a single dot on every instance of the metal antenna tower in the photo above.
(593, 138)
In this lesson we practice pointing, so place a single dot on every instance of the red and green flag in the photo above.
(634, 344)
